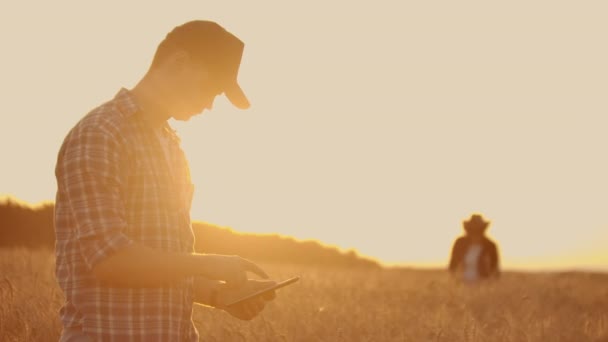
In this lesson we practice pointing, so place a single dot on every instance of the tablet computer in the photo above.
(263, 291)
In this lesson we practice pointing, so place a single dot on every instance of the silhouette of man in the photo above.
(474, 256)
(124, 241)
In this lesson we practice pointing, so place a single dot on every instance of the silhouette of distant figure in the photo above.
(474, 256)
(124, 240)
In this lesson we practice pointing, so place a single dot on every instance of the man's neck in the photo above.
(475, 238)
(151, 101)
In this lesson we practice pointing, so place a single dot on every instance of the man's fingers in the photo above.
(239, 278)
(269, 295)
(251, 267)
(255, 306)
(237, 282)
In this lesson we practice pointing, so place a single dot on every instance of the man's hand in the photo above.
(250, 308)
(230, 268)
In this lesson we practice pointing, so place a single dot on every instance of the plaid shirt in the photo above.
(116, 188)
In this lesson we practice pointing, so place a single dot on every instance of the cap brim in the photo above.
(237, 97)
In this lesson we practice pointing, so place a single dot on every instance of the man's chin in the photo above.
(186, 117)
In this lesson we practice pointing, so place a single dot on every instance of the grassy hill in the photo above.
(31, 226)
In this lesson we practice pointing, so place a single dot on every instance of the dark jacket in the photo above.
(488, 259)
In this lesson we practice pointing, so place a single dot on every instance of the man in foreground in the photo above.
(124, 241)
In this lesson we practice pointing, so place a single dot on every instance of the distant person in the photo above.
(474, 256)
(124, 241)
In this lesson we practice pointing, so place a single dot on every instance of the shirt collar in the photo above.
(128, 106)
(126, 102)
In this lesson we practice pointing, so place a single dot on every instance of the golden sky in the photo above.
(378, 126)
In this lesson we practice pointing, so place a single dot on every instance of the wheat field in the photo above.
(352, 305)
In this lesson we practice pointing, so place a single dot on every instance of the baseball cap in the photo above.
(218, 49)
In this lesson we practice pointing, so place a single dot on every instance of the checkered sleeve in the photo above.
(91, 165)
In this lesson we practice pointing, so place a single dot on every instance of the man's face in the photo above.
(475, 232)
(195, 91)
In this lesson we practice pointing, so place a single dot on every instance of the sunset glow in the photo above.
(373, 127)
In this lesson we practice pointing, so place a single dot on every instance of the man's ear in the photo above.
(178, 60)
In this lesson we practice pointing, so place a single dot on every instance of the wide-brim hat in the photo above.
(475, 223)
